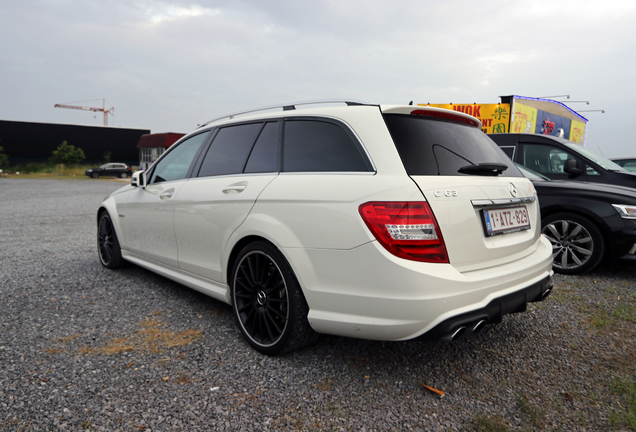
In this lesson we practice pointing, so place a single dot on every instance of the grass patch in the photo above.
(531, 411)
(563, 295)
(608, 316)
(625, 387)
(43, 170)
(489, 423)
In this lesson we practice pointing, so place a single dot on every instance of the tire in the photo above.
(267, 301)
(577, 243)
(95, 175)
(123, 175)
(107, 243)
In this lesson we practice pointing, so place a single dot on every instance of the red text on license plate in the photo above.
(506, 220)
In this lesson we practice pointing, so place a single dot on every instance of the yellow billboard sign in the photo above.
(577, 132)
(494, 118)
(524, 120)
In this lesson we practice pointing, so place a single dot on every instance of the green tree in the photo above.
(4, 159)
(106, 157)
(67, 154)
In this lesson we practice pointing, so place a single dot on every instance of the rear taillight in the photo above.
(406, 229)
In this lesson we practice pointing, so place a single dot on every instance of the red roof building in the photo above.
(151, 146)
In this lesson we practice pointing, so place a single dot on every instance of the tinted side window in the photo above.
(176, 163)
(229, 150)
(430, 146)
(311, 145)
(263, 156)
(545, 159)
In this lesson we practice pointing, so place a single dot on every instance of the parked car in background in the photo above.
(561, 159)
(358, 220)
(113, 169)
(585, 222)
(628, 163)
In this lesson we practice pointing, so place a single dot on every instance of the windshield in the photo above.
(600, 160)
(532, 175)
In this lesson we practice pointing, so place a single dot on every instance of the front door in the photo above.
(147, 221)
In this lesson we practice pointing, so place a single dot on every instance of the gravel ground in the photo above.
(84, 348)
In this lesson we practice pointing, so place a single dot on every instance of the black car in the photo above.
(628, 163)
(585, 222)
(561, 159)
(113, 169)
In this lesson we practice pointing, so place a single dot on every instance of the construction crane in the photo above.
(102, 109)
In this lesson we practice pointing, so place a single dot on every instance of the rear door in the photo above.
(240, 162)
(486, 210)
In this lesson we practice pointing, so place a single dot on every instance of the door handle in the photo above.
(235, 188)
(167, 194)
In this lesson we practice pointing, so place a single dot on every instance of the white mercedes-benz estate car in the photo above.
(360, 220)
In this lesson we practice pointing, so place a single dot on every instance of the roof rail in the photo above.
(286, 107)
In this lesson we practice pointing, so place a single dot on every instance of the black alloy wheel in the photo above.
(95, 175)
(577, 244)
(123, 175)
(107, 243)
(267, 301)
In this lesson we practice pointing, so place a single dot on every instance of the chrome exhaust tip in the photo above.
(454, 334)
(546, 293)
(479, 326)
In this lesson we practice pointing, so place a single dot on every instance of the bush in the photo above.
(4, 159)
(67, 154)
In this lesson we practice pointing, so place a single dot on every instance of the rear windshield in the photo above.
(430, 146)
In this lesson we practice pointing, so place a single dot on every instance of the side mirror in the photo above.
(138, 179)
(571, 167)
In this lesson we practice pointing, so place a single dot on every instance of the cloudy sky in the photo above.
(170, 65)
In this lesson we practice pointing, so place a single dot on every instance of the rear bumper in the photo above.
(473, 322)
(368, 293)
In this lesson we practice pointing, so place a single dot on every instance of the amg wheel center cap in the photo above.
(261, 298)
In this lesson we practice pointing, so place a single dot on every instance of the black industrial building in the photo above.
(26, 142)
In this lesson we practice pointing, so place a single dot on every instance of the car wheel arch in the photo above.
(578, 211)
(114, 217)
(236, 249)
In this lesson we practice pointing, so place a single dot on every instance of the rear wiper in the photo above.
(484, 169)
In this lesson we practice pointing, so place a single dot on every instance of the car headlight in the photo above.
(626, 211)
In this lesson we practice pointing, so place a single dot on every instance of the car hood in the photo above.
(627, 174)
(585, 189)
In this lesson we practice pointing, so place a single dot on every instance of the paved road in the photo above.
(84, 348)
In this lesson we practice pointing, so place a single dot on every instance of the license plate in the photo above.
(506, 220)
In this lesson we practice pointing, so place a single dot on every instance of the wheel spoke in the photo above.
(576, 259)
(246, 286)
(554, 232)
(582, 240)
(247, 273)
(581, 250)
(575, 232)
(279, 284)
(260, 298)
(564, 259)
(270, 321)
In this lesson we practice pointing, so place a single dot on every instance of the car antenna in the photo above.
(599, 149)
